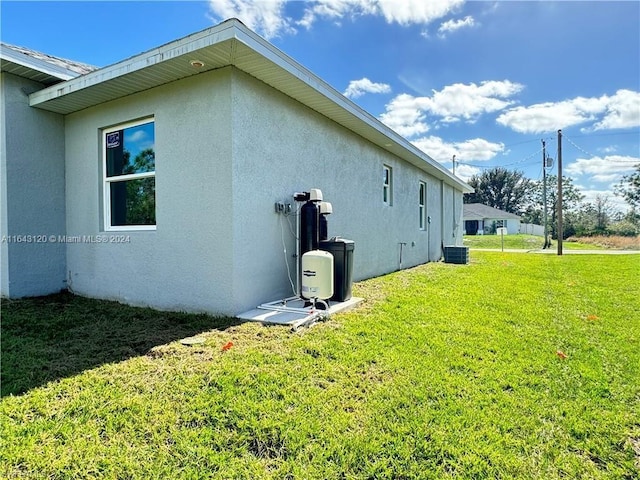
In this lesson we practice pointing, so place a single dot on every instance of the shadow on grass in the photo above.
(57, 336)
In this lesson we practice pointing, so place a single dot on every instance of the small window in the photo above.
(386, 184)
(130, 176)
(422, 205)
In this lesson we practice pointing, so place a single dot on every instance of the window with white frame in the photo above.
(422, 205)
(129, 176)
(386, 184)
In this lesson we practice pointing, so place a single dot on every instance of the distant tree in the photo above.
(571, 202)
(629, 188)
(141, 193)
(604, 212)
(593, 218)
(145, 161)
(500, 188)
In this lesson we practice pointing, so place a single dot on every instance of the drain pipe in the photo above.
(402, 244)
(298, 254)
(298, 197)
(441, 218)
(428, 238)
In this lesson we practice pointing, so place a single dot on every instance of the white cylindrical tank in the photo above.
(317, 275)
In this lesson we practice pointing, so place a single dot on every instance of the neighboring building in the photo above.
(153, 181)
(480, 219)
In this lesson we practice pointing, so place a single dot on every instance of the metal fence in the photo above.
(532, 229)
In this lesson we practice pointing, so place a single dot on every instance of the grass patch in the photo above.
(445, 371)
(522, 241)
(48, 338)
(609, 241)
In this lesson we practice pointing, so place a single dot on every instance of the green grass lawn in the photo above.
(445, 371)
(521, 242)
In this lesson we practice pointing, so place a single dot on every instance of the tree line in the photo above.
(511, 191)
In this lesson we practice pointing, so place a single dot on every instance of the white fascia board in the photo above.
(36, 64)
(184, 46)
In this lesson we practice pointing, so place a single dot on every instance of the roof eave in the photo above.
(36, 64)
(309, 89)
(390, 137)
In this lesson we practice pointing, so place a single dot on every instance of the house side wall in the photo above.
(4, 227)
(452, 215)
(280, 147)
(186, 263)
(33, 193)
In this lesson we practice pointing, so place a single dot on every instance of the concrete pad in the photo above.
(293, 313)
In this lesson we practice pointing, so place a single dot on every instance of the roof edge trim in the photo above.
(183, 46)
(272, 53)
(7, 53)
(235, 30)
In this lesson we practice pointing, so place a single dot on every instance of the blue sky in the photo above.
(486, 81)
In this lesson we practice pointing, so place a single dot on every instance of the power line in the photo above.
(579, 148)
(504, 165)
(622, 160)
(529, 157)
(587, 135)
(526, 141)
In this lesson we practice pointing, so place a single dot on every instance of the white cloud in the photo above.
(437, 149)
(265, 16)
(609, 149)
(465, 172)
(623, 111)
(544, 117)
(460, 101)
(357, 88)
(603, 170)
(451, 26)
(407, 114)
(408, 12)
(403, 12)
(597, 171)
(136, 136)
(591, 196)
(620, 111)
(477, 149)
(335, 10)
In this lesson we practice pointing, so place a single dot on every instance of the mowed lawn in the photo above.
(515, 366)
(521, 241)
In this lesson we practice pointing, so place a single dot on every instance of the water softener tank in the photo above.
(317, 275)
(310, 222)
(323, 224)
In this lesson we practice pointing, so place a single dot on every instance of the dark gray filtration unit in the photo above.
(342, 251)
(314, 232)
(309, 227)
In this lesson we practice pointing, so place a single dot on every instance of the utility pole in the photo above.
(559, 214)
(454, 164)
(544, 194)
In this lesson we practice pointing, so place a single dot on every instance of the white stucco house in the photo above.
(153, 181)
(482, 219)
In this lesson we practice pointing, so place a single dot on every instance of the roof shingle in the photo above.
(479, 211)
